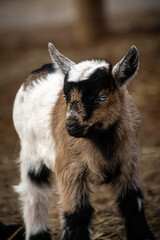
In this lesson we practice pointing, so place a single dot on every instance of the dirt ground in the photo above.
(16, 64)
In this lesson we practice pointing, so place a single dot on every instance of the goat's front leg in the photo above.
(76, 210)
(130, 203)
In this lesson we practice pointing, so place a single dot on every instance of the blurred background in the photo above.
(82, 29)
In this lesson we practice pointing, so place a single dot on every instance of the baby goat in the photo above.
(79, 121)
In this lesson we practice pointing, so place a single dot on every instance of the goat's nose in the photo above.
(70, 122)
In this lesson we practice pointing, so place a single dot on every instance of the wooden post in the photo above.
(90, 24)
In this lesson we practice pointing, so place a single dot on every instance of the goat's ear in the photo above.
(63, 62)
(127, 68)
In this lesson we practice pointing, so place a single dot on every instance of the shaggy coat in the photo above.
(79, 121)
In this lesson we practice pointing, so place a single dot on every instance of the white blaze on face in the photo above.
(83, 70)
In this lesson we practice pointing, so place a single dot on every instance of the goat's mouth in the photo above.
(77, 131)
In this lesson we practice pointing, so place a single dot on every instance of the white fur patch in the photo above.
(83, 70)
(35, 203)
(32, 119)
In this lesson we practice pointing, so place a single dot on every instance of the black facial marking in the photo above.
(90, 89)
(136, 225)
(98, 81)
(47, 68)
(77, 223)
(45, 235)
(40, 177)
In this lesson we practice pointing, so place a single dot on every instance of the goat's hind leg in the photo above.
(34, 191)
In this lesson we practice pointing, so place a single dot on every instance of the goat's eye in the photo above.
(103, 98)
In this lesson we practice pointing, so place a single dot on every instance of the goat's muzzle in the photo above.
(75, 125)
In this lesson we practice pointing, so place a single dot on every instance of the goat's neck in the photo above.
(106, 141)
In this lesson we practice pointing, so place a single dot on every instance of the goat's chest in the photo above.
(103, 172)
(101, 169)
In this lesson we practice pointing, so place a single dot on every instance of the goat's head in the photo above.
(94, 90)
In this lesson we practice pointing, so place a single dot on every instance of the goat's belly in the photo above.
(32, 120)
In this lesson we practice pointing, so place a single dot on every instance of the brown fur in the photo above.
(79, 163)
(108, 111)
